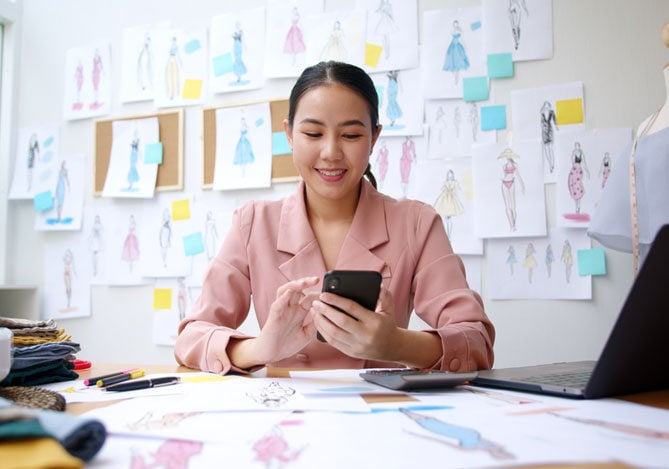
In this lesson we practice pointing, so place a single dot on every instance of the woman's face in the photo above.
(332, 138)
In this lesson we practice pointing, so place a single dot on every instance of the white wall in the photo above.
(613, 46)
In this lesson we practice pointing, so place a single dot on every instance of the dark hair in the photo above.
(333, 72)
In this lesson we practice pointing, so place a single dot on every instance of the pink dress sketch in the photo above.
(273, 449)
(130, 252)
(382, 162)
(575, 178)
(407, 159)
(96, 75)
(174, 454)
(294, 43)
(78, 84)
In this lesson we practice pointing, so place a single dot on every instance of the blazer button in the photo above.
(454, 365)
(303, 357)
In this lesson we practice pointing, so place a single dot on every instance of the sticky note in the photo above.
(192, 89)
(493, 117)
(379, 92)
(153, 153)
(43, 201)
(162, 298)
(475, 25)
(259, 122)
(569, 111)
(280, 144)
(193, 244)
(192, 46)
(181, 209)
(591, 261)
(372, 54)
(500, 65)
(475, 88)
(222, 64)
(48, 141)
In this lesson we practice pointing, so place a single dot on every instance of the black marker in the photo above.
(143, 384)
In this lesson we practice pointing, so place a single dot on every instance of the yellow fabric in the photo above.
(36, 453)
(29, 340)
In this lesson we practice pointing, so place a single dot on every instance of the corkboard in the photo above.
(170, 171)
(283, 169)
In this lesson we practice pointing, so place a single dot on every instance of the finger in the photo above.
(297, 285)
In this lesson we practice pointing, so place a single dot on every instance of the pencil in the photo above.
(93, 381)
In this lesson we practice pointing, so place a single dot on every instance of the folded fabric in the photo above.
(43, 453)
(29, 355)
(17, 323)
(43, 373)
(80, 436)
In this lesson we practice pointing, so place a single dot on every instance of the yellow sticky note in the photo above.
(162, 298)
(569, 111)
(372, 54)
(203, 378)
(192, 89)
(181, 209)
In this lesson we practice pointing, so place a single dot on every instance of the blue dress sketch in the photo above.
(62, 185)
(393, 111)
(133, 174)
(456, 56)
(243, 150)
(238, 66)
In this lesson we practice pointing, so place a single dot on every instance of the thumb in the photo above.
(386, 304)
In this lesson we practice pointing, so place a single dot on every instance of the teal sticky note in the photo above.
(591, 261)
(475, 88)
(222, 64)
(193, 244)
(380, 90)
(493, 117)
(192, 46)
(43, 201)
(500, 65)
(153, 153)
(280, 144)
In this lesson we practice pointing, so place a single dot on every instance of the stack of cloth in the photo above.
(41, 353)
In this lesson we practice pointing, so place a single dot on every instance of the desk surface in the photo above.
(659, 399)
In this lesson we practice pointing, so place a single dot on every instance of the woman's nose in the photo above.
(331, 149)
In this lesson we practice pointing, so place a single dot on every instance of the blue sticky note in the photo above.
(153, 153)
(500, 65)
(49, 140)
(280, 144)
(591, 261)
(475, 25)
(259, 122)
(43, 201)
(475, 88)
(380, 90)
(192, 46)
(193, 244)
(493, 117)
(222, 64)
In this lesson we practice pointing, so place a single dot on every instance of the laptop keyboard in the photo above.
(576, 379)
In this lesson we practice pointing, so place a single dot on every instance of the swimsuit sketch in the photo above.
(165, 236)
(68, 271)
(174, 454)
(575, 178)
(448, 204)
(511, 258)
(548, 121)
(382, 162)
(210, 235)
(334, 48)
(457, 436)
(133, 174)
(567, 259)
(294, 43)
(385, 26)
(605, 168)
(243, 150)
(78, 84)
(515, 14)
(145, 65)
(510, 174)
(238, 65)
(96, 242)
(62, 185)
(456, 56)
(130, 252)
(530, 261)
(393, 111)
(407, 159)
(33, 155)
(550, 258)
(172, 80)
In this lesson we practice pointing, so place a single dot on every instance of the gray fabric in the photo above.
(29, 355)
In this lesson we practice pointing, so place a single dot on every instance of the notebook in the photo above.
(635, 357)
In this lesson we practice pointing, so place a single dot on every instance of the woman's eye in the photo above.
(351, 136)
(312, 134)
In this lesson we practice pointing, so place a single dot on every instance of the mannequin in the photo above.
(611, 222)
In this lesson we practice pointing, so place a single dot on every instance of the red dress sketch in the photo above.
(130, 251)
(294, 43)
(382, 162)
(96, 77)
(406, 161)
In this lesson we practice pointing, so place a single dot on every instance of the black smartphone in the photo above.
(361, 286)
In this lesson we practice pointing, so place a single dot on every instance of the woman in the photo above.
(277, 252)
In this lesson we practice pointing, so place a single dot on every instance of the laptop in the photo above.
(635, 357)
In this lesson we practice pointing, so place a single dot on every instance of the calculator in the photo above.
(408, 379)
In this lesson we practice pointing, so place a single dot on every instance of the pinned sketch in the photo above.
(172, 301)
(391, 41)
(583, 168)
(538, 267)
(236, 53)
(454, 51)
(400, 103)
(128, 174)
(243, 147)
(88, 81)
(509, 190)
(393, 164)
(36, 161)
(286, 38)
(448, 186)
(67, 189)
(522, 27)
(66, 280)
(95, 235)
(126, 239)
(337, 35)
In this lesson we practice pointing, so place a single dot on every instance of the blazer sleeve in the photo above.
(443, 299)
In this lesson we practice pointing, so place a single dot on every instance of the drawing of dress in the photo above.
(382, 162)
(448, 204)
(511, 258)
(238, 65)
(605, 169)
(334, 48)
(456, 56)
(130, 252)
(575, 178)
(175, 454)
(294, 43)
(210, 235)
(172, 70)
(550, 258)
(133, 175)
(144, 65)
(96, 76)
(62, 184)
(181, 298)
(567, 259)
(96, 242)
(474, 120)
(165, 236)
(243, 150)
(33, 154)
(386, 24)
(273, 448)
(530, 261)
(393, 111)
(547, 122)
(406, 160)
(78, 83)
(68, 266)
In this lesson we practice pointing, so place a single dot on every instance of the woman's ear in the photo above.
(289, 133)
(375, 137)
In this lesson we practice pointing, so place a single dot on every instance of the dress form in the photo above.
(662, 119)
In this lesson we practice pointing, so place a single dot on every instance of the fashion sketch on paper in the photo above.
(548, 125)
(457, 120)
(273, 449)
(567, 259)
(133, 174)
(439, 125)
(33, 155)
(96, 243)
(145, 65)
(130, 252)
(393, 111)
(448, 204)
(78, 85)
(172, 453)
(473, 118)
(210, 235)
(407, 161)
(165, 236)
(173, 71)
(575, 178)
(62, 186)
(182, 297)
(510, 174)
(385, 25)
(294, 43)
(530, 261)
(238, 65)
(605, 168)
(516, 8)
(96, 75)
(68, 271)
(456, 55)
(243, 151)
(549, 259)
(335, 48)
(382, 162)
(511, 258)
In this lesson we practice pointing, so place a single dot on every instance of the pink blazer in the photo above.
(271, 243)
